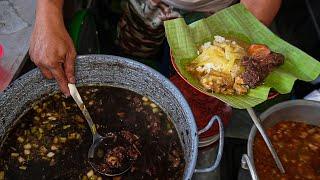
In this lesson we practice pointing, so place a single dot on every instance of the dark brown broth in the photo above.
(58, 122)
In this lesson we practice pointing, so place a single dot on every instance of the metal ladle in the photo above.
(96, 137)
(266, 139)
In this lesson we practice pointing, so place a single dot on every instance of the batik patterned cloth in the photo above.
(140, 31)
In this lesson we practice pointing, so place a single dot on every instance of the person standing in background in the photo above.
(140, 30)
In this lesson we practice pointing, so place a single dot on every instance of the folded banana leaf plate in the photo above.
(237, 22)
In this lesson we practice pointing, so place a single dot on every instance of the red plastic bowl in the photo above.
(203, 106)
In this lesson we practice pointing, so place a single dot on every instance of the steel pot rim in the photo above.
(24, 80)
(248, 159)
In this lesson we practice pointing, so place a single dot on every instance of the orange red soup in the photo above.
(298, 146)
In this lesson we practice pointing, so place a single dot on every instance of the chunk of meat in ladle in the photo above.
(116, 161)
(116, 152)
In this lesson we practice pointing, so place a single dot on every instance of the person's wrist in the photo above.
(50, 5)
(49, 13)
(50, 9)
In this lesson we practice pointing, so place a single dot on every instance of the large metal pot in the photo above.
(294, 110)
(118, 72)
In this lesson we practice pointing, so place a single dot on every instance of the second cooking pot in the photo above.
(295, 110)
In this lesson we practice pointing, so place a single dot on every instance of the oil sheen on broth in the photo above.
(52, 139)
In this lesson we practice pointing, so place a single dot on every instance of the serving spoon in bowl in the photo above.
(97, 139)
(266, 139)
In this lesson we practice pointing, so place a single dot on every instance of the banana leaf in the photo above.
(237, 22)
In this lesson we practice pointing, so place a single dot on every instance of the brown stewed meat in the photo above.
(121, 148)
(259, 63)
(115, 157)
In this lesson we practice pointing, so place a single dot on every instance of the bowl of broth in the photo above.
(45, 136)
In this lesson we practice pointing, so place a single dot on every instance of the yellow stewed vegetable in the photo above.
(218, 66)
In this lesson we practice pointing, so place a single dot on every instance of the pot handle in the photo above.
(246, 164)
(221, 144)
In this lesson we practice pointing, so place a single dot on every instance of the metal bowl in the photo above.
(117, 72)
(295, 110)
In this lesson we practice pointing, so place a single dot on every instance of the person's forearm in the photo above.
(50, 9)
(264, 10)
(51, 47)
(50, 3)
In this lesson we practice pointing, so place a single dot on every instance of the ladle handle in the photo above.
(221, 144)
(77, 98)
(266, 139)
(246, 163)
